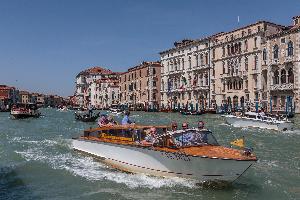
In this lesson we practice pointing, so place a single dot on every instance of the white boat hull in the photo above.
(257, 123)
(160, 163)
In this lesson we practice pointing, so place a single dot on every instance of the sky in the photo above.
(44, 44)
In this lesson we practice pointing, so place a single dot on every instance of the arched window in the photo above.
(197, 61)
(264, 54)
(206, 58)
(275, 51)
(182, 62)
(201, 80)
(290, 49)
(246, 45)
(276, 77)
(190, 63)
(283, 76)
(206, 79)
(162, 85)
(290, 76)
(240, 47)
(246, 63)
(255, 62)
(201, 59)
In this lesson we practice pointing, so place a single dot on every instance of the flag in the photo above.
(238, 142)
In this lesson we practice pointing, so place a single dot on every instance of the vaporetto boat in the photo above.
(252, 119)
(190, 153)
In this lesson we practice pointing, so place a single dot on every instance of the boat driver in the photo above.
(126, 119)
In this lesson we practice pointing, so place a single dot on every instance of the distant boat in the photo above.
(252, 119)
(190, 153)
(191, 112)
(23, 110)
(85, 117)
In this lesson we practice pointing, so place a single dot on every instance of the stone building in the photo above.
(233, 68)
(186, 75)
(25, 97)
(84, 81)
(281, 67)
(8, 96)
(105, 91)
(237, 65)
(140, 86)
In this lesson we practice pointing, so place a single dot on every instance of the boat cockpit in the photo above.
(163, 138)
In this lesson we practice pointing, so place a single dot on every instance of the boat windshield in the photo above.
(194, 137)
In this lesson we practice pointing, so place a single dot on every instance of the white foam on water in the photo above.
(93, 170)
(224, 124)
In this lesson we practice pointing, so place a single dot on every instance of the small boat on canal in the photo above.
(253, 119)
(190, 153)
(86, 117)
(23, 110)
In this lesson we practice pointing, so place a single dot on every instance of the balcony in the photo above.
(175, 72)
(278, 87)
(205, 87)
(289, 59)
(274, 61)
(254, 72)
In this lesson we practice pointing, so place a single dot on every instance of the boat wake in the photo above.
(91, 169)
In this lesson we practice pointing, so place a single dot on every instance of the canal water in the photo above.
(37, 162)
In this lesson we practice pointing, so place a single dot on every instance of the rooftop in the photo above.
(95, 70)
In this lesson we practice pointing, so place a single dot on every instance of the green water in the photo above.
(37, 162)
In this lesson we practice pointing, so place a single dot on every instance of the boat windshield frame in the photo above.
(194, 137)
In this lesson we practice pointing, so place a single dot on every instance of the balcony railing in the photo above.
(287, 86)
(274, 61)
(289, 59)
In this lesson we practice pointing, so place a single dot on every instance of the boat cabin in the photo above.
(24, 106)
(136, 135)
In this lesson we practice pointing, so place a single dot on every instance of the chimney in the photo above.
(296, 20)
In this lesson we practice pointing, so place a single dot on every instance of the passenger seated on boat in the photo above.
(191, 137)
(102, 121)
(174, 126)
(111, 121)
(151, 137)
(185, 125)
(200, 125)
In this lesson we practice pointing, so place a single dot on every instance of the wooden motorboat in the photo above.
(190, 153)
(22, 110)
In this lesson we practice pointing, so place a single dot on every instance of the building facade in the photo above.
(186, 75)
(237, 65)
(84, 81)
(140, 86)
(105, 91)
(25, 97)
(8, 96)
(236, 69)
(281, 58)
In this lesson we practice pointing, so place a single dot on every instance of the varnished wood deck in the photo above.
(218, 152)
